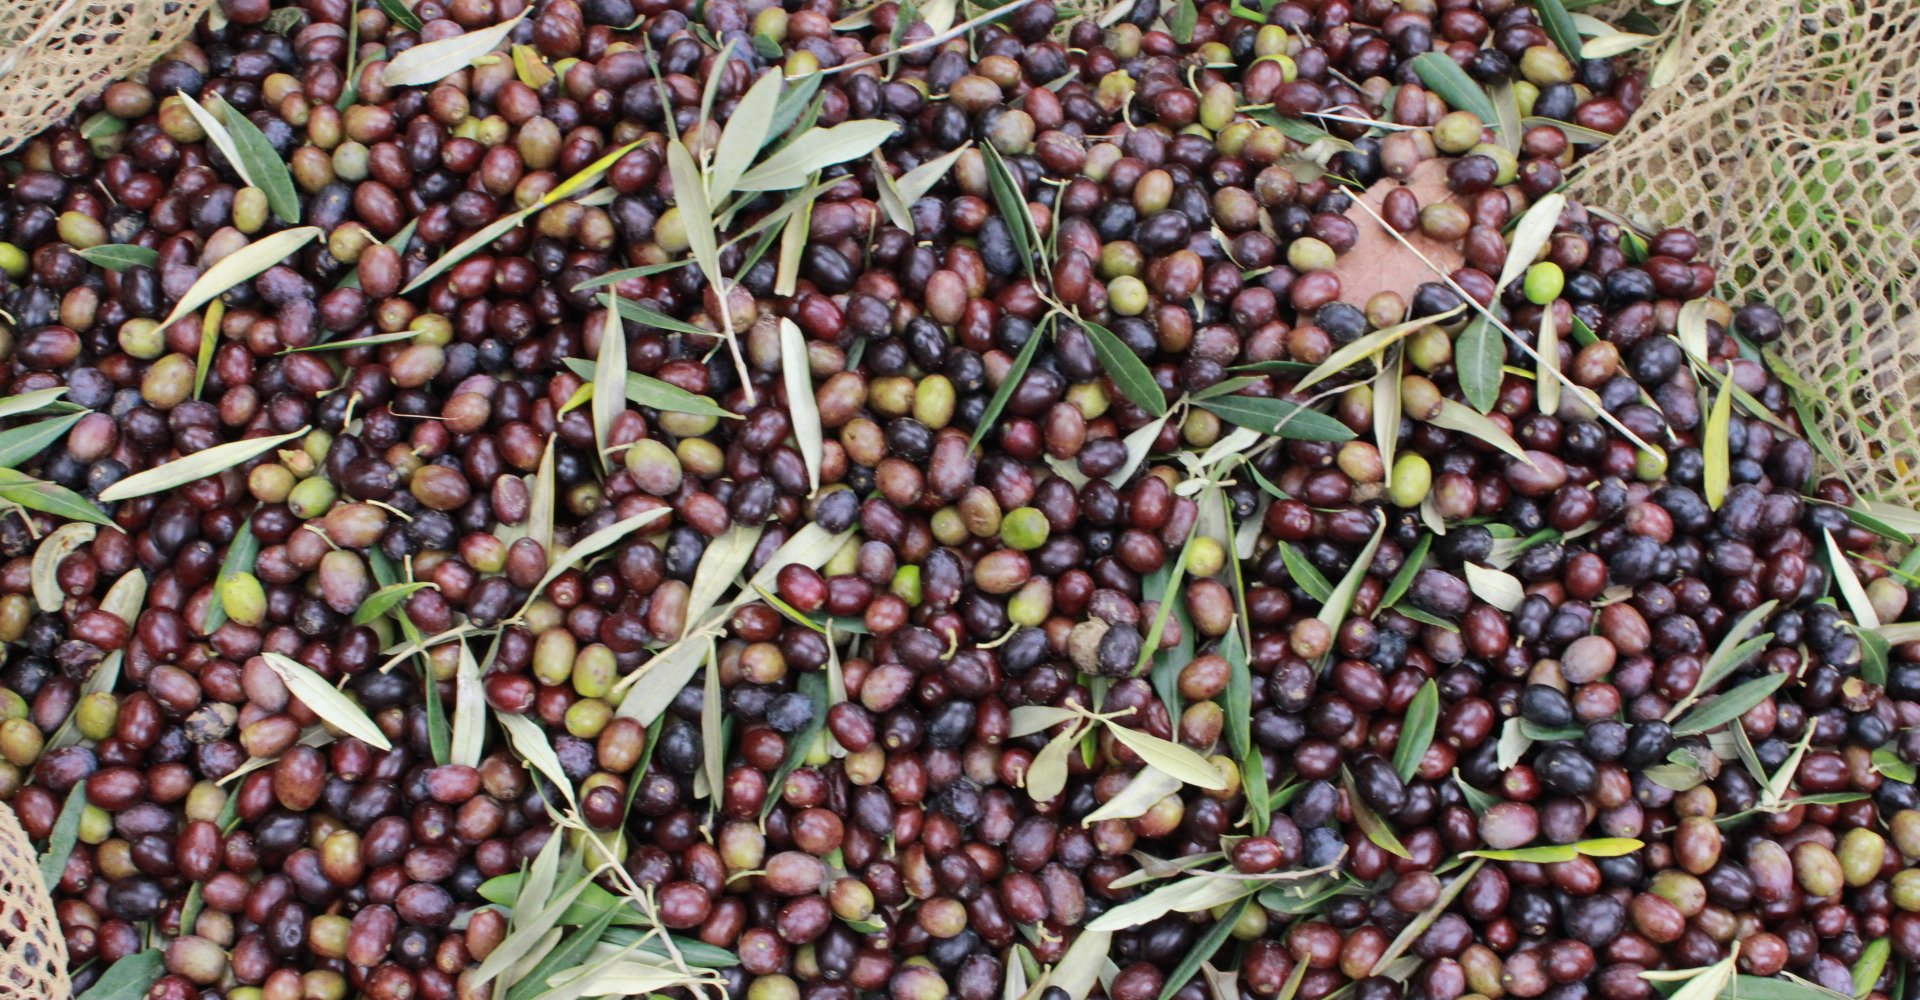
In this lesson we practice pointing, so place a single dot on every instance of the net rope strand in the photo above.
(56, 53)
(33, 954)
(1789, 139)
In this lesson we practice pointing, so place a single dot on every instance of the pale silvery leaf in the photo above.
(1148, 786)
(725, 557)
(531, 745)
(327, 701)
(801, 403)
(1531, 236)
(194, 467)
(1502, 590)
(431, 62)
(238, 266)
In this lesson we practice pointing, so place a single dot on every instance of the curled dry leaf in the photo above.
(60, 543)
(797, 371)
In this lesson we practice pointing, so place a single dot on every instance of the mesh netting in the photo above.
(1789, 139)
(54, 53)
(33, 955)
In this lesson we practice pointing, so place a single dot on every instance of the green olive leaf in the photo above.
(264, 168)
(219, 136)
(128, 979)
(1125, 369)
(20, 444)
(1416, 732)
(1278, 417)
(242, 552)
(1478, 355)
(1412, 931)
(1443, 76)
(49, 498)
(990, 417)
(1370, 823)
(645, 390)
(119, 256)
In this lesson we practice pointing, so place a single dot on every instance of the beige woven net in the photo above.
(55, 53)
(1789, 138)
(33, 955)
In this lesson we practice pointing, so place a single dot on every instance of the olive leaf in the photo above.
(580, 550)
(525, 936)
(1547, 387)
(401, 14)
(1047, 774)
(1412, 931)
(209, 340)
(260, 164)
(1189, 895)
(1506, 106)
(1732, 652)
(797, 371)
(1369, 821)
(1604, 847)
(665, 674)
(1466, 420)
(60, 543)
(1478, 800)
(1409, 568)
(1304, 573)
(1139, 443)
(1729, 706)
(431, 62)
(746, 133)
(1560, 27)
(469, 711)
(1416, 731)
(1717, 470)
(326, 701)
(815, 686)
(60, 841)
(21, 444)
(723, 560)
(1502, 590)
(1339, 601)
(1278, 417)
(1849, 584)
(119, 256)
(916, 183)
(1387, 411)
(49, 498)
(1703, 984)
(197, 466)
(1238, 699)
(241, 554)
(1530, 237)
(1513, 744)
(1012, 204)
(793, 245)
(1478, 355)
(129, 978)
(696, 212)
(609, 381)
(374, 340)
(241, 265)
(1888, 763)
(1125, 369)
(990, 417)
(816, 149)
(1617, 43)
(1029, 719)
(1148, 786)
(530, 743)
(811, 547)
(1443, 76)
(1170, 757)
(645, 390)
(218, 135)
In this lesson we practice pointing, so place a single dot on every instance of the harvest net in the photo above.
(1788, 137)
(33, 955)
(55, 53)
